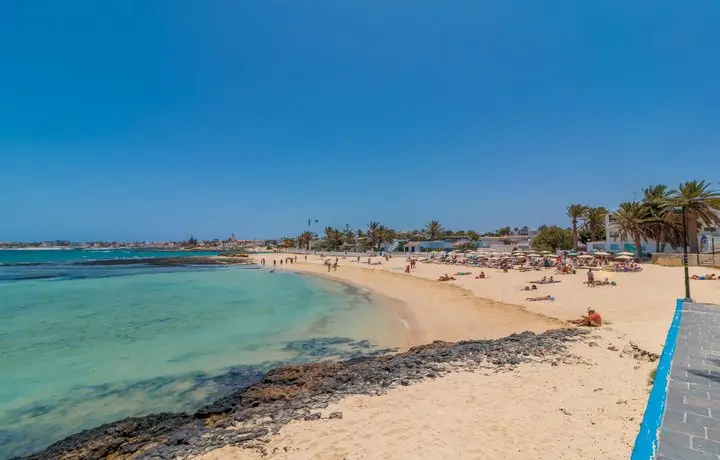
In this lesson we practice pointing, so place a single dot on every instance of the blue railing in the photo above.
(647, 439)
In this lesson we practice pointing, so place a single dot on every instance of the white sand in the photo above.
(536, 411)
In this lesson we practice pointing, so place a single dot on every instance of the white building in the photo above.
(707, 238)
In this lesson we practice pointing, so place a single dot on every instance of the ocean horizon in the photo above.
(87, 345)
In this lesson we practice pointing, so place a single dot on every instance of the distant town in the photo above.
(191, 243)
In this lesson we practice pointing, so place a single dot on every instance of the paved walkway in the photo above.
(690, 428)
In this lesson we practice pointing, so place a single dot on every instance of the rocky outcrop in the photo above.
(171, 261)
(297, 393)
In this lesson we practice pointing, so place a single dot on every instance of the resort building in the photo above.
(707, 237)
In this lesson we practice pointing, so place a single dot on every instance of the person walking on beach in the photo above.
(274, 263)
(591, 277)
(263, 261)
(305, 257)
(281, 262)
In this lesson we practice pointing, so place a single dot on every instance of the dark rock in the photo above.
(313, 416)
(335, 415)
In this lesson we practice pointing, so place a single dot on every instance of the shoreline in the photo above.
(464, 316)
(396, 307)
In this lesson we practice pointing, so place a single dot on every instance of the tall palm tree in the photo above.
(632, 219)
(433, 229)
(655, 198)
(575, 212)
(595, 221)
(700, 204)
(349, 237)
(376, 233)
(306, 238)
(333, 238)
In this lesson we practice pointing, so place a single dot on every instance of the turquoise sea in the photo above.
(85, 345)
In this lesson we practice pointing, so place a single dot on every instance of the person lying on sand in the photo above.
(545, 280)
(445, 277)
(536, 299)
(593, 319)
(463, 273)
(707, 276)
(480, 276)
(528, 288)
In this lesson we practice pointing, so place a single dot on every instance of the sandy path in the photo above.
(588, 411)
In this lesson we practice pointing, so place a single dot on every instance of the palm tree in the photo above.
(349, 237)
(306, 238)
(333, 238)
(699, 203)
(663, 224)
(632, 219)
(473, 235)
(433, 230)
(575, 212)
(594, 221)
(376, 234)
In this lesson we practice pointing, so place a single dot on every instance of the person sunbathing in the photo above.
(536, 299)
(593, 319)
(707, 276)
(480, 276)
(445, 277)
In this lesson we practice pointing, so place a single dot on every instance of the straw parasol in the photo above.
(625, 257)
(534, 254)
(601, 253)
(625, 253)
(585, 256)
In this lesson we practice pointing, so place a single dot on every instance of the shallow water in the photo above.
(111, 342)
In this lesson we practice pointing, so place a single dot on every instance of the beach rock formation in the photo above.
(171, 261)
(298, 393)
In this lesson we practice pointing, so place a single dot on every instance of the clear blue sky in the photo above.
(157, 119)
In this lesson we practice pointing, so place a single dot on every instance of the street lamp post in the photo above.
(685, 258)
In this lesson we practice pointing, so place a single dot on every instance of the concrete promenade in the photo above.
(690, 424)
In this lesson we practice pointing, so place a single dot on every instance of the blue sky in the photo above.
(154, 120)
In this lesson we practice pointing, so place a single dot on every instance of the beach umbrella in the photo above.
(625, 257)
(532, 254)
(601, 253)
(625, 253)
(585, 256)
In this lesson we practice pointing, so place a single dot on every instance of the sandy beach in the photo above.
(590, 410)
